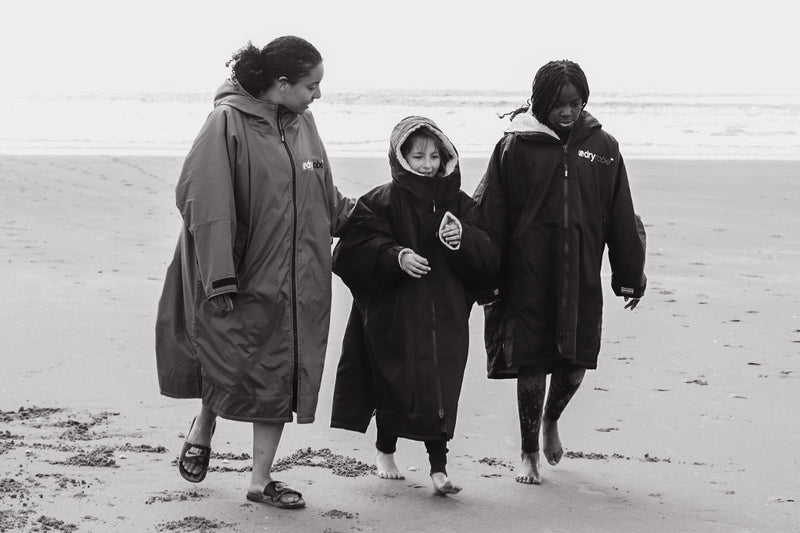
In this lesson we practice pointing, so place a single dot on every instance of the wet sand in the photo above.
(689, 423)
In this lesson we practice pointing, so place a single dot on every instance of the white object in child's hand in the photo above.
(449, 221)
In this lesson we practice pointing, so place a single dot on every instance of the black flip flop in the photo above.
(273, 494)
(194, 454)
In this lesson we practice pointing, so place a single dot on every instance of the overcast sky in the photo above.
(147, 45)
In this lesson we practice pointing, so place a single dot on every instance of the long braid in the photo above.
(547, 86)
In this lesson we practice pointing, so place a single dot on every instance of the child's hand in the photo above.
(414, 265)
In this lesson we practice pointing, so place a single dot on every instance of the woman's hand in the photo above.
(414, 265)
(222, 302)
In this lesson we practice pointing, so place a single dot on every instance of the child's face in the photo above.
(566, 110)
(423, 157)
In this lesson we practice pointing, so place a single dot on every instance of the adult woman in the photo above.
(243, 318)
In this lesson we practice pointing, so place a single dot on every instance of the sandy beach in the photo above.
(689, 424)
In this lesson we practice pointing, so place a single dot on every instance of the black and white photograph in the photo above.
(366, 266)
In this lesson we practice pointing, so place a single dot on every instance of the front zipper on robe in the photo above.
(296, 352)
(436, 372)
(565, 261)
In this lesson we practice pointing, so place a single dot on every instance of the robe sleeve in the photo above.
(366, 254)
(204, 196)
(626, 241)
(490, 198)
(477, 260)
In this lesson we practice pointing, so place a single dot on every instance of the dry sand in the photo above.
(689, 424)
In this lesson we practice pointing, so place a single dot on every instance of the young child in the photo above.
(555, 193)
(412, 247)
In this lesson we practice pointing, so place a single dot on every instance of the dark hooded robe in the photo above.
(553, 207)
(405, 346)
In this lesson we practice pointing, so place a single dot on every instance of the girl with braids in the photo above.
(244, 314)
(555, 194)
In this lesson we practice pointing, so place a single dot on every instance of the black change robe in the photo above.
(405, 346)
(553, 207)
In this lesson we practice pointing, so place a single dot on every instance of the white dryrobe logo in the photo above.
(595, 157)
(308, 165)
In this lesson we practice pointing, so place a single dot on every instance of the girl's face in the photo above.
(566, 110)
(423, 156)
(298, 96)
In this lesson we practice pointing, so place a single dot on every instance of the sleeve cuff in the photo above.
(223, 286)
(446, 219)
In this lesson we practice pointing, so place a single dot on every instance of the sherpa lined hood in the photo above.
(440, 188)
(527, 124)
(406, 127)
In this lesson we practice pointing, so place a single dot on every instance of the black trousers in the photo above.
(437, 450)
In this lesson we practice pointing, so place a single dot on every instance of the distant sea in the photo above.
(757, 124)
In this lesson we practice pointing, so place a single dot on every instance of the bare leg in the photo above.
(528, 472)
(266, 438)
(530, 402)
(563, 384)
(553, 451)
(200, 434)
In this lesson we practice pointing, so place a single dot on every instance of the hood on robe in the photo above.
(439, 188)
(409, 125)
(527, 124)
(232, 94)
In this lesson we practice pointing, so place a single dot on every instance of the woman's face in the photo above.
(566, 110)
(299, 95)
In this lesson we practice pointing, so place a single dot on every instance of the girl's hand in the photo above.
(414, 265)
(222, 302)
(632, 303)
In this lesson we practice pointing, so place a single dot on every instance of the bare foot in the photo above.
(551, 442)
(387, 469)
(528, 472)
(443, 486)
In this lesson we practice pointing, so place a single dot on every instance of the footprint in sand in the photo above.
(586, 489)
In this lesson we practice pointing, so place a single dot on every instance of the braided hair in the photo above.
(547, 85)
(256, 70)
